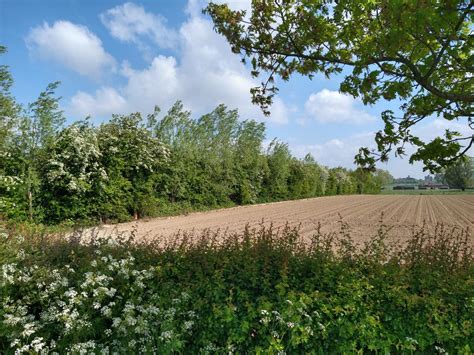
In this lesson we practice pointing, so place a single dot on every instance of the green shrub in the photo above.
(261, 291)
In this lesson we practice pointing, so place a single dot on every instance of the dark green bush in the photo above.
(261, 291)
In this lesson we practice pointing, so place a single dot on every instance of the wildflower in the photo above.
(130, 320)
(21, 254)
(308, 330)
(106, 311)
(166, 335)
(28, 329)
(440, 350)
(210, 348)
(37, 344)
(83, 348)
(411, 340)
(188, 324)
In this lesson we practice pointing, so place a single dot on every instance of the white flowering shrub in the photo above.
(114, 306)
(8, 183)
(74, 163)
(132, 158)
(8, 187)
(124, 140)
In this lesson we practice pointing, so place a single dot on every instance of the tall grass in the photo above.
(259, 291)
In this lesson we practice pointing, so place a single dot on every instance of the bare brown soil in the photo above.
(361, 212)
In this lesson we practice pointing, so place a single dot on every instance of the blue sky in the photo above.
(121, 57)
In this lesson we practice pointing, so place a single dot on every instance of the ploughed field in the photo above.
(362, 213)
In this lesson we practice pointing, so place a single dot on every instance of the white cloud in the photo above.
(105, 100)
(328, 106)
(438, 126)
(341, 151)
(336, 151)
(72, 46)
(130, 23)
(204, 74)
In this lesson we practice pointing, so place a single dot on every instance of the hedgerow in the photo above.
(260, 291)
(132, 166)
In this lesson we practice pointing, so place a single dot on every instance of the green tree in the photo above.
(249, 165)
(72, 176)
(383, 177)
(419, 52)
(365, 182)
(37, 127)
(132, 157)
(176, 130)
(340, 182)
(306, 178)
(459, 175)
(279, 162)
(9, 110)
(216, 133)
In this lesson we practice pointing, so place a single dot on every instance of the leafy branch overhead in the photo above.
(418, 52)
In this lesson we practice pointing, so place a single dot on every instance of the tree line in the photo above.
(134, 166)
(460, 175)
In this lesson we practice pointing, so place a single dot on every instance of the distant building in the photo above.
(433, 186)
(429, 178)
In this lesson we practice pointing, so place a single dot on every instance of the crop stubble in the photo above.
(361, 212)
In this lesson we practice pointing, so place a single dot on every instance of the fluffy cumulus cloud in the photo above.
(105, 100)
(336, 151)
(72, 46)
(203, 73)
(438, 126)
(130, 23)
(328, 106)
(341, 151)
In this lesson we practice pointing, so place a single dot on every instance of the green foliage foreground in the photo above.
(262, 291)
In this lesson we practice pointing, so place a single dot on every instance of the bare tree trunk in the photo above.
(30, 198)
(30, 204)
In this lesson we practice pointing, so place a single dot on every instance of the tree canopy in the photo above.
(459, 175)
(416, 51)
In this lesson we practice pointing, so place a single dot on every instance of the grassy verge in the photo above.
(261, 291)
